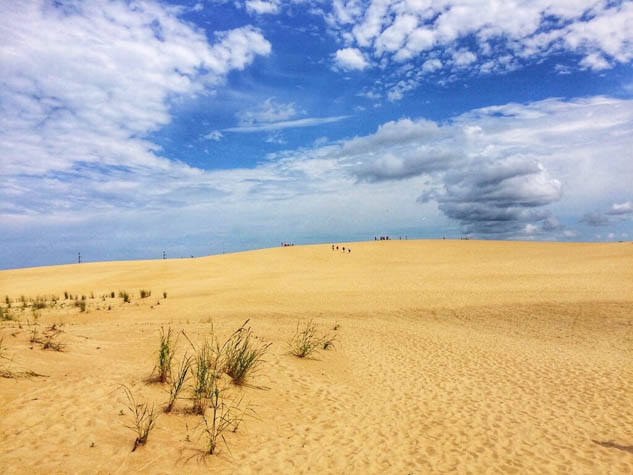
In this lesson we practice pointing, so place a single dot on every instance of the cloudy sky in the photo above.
(196, 127)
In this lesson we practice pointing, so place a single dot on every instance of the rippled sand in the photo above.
(466, 356)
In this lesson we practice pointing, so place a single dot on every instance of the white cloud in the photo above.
(431, 65)
(463, 58)
(215, 135)
(269, 111)
(350, 59)
(286, 124)
(504, 35)
(621, 208)
(83, 86)
(262, 7)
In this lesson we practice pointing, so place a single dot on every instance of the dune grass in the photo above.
(223, 417)
(144, 418)
(166, 352)
(305, 341)
(243, 354)
(178, 381)
(145, 293)
(205, 373)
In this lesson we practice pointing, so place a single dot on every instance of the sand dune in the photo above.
(465, 356)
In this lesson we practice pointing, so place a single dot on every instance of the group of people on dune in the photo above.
(343, 248)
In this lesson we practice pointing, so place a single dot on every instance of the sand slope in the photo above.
(467, 356)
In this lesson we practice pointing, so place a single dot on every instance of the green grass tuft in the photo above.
(243, 354)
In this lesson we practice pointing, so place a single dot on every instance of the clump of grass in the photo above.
(243, 354)
(337, 326)
(178, 381)
(51, 338)
(7, 301)
(144, 418)
(112, 294)
(205, 374)
(164, 295)
(125, 296)
(81, 304)
(305, 340)
(166, 353)
(66, 295)
(145, 293)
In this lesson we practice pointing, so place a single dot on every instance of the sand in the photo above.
(451, 356)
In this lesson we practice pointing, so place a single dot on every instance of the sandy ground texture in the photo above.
(450, 356)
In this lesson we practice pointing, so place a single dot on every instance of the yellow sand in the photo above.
(466, 356)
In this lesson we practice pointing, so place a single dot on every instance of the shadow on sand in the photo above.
(613, 445)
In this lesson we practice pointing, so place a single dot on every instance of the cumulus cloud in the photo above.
(503, 36)
(350, 59)
(269, 111)
(262, 7)
(82, 87)
(619, 209)
(214, 135)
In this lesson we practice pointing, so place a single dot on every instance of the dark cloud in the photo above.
(497, 196)
(595, 219)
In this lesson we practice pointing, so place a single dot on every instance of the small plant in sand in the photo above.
(205, 373)
(144, 418)
(145, 293)
(337, 326)
(243, 354)
(50, 340)
(178, 381)
(81, 304)
(112, 294)
(305, 340)
(166, 353)
(164, 295)
(328, 342)
(124, 295)
(223, 417)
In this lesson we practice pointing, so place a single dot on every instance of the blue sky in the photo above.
(129, 128)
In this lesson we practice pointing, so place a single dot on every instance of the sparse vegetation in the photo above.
(178, 381)
(145, 293)
(112, 294)
(81, 304)
(166, 353)
(124, 295)
(242, 354)
(5, 314)
(164, 295)
(305, 340)
(144, 418)
(205, 365)
(51, 338)
(223, 417)
(66, 295)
